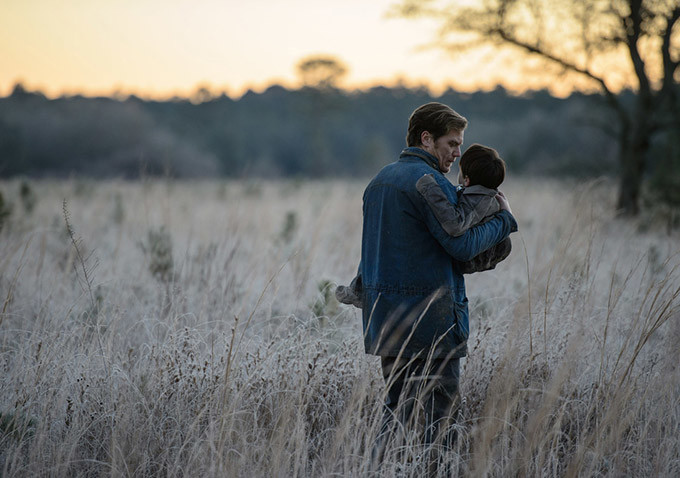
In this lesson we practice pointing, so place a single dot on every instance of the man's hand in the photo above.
(503, 202)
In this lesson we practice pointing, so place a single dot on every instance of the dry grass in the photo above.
(178, 339)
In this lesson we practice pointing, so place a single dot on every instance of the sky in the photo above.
(161, 48)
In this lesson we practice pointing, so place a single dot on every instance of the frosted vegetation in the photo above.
(189, 329)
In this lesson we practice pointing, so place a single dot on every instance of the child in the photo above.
(481, 173)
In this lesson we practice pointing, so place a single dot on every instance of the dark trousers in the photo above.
(420, 394)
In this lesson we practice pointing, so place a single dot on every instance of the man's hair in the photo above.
(483, 166)
(435, 118)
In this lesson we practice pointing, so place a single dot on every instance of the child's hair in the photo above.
(483, 166)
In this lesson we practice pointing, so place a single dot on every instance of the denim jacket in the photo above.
(414, 301)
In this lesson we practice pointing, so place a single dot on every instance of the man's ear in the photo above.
(426, 139)
(466, 181)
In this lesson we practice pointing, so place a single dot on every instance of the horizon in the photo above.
(215, 94)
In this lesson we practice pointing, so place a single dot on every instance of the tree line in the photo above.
(311, 132)
(280, 132)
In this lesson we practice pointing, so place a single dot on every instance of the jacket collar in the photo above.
(422, 154)
(479, 189)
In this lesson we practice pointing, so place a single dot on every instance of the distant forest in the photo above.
(280, 132)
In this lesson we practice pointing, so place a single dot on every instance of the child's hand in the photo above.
(503, 202)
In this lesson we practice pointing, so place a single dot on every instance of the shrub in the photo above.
(326, 305)
(158, 248)
(28, 197)
(290, 226)
(5, 211)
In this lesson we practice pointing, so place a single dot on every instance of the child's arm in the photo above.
(456, 218)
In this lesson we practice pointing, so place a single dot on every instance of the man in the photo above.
(414, 307)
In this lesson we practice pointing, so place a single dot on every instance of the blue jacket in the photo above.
(414, 301)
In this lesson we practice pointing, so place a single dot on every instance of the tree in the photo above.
(321, 72)
(580, 38)
(320, 75)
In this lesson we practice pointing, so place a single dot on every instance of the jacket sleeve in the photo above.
(488, 259)
(455, 218)
(477, 239)
(474, 240)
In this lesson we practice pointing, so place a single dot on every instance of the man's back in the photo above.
(395, 231)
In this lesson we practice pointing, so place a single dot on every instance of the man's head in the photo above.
(481, 165)
(437, 129)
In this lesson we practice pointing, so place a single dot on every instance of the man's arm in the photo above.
(477, 239)
(488, 259)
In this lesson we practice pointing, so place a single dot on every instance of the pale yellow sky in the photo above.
(164, 47)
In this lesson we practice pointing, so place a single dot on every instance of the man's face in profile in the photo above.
(445, 148)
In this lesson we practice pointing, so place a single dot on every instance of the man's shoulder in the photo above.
(403, 175)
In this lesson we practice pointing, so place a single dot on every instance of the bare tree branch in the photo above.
(632, 24)
(612, 99)
(669, 66)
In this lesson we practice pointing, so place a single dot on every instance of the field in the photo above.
(165, 328)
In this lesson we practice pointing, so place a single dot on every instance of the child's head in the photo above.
(481, 165)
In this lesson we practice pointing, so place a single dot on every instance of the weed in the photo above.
(118, 214)
(252, 189)
(5, 211)
(222, 191)
(83, 188)
(84, 268)
(86, 262)
(16, 425)
(325, 305)
(28, 197)
(158, 248)
(289, 228)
